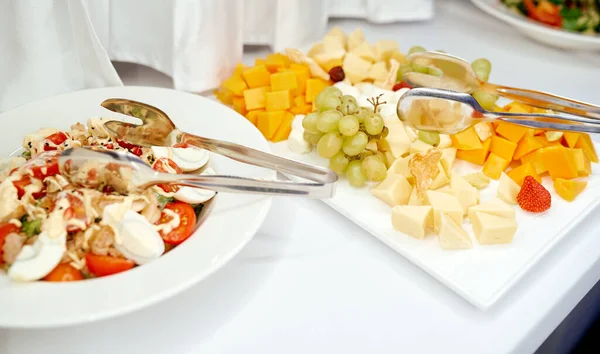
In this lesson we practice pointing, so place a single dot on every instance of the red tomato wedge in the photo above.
(545, 12)
(43, 165)
(64, 272)
(166, 165)
(5, 229)
(102, 266)
(56, 139)
(76, 210)
(24, 182)
(187, 222)
(125, 145)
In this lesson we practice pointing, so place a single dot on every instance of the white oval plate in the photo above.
(539, 32)
(232, 220)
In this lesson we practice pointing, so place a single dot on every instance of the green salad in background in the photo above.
(573, 15)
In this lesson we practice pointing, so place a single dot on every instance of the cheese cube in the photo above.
(447, 190)
(313, 88)
(364, 51)
(508, 189)
(494, 207)
(441, 179)
(239, 105)
(384, 49)
(491, 229)
(255, 98)
(419, 147)
(285, 128)
(393, 190)
(278, 100)
(269, 122)
(252, 116)
(452, 235)
(467, 195)
(412, 220)
(398, 140)
(257, 76)
(414, 198)
(302, 74)
(484, 130)
(378, 72)
(356, 68)
(275, 61)
(355, 39)
(444, 203)
(235, 84)
(330, 58)
(494, 166)
(285, 80)
(447, 159)
(400, 166)
(339, 33)
(445, 141)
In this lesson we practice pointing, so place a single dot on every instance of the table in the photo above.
(313, 282)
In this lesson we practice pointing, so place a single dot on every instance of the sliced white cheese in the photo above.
(384, 49)
(467, 195)
(356, 68)
(296, 142)
(412, 220)
(414, 198)
(355, 39)
(378, 71)
(484, 130)
(364, 51)
(400, 166)
(444, 203)
(452, 236)
(398, 140)
(441, 179)
(445, 141)
(491, 229)
(333, 44)
(419, 147)
(347, 89)
(495, 207)
(477, 179)
(393, 190)
(508, 189)
(447, 159)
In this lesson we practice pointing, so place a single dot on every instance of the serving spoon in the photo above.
(458, 75)
(157, 129)
(450, 112)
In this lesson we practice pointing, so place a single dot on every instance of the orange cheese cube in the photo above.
(313, 88)
(300, 101)
(302, 74)
(544, 141)
(259, 62)
(285, 80)
(224, 95)
(569, 189)
(494, 166)
(239, 68)
(503, 148)
(535, 158)
(466, 140)
(257, 76)
(518, 174)
(477, 156)
(278, 100)
(252, 116)
(255, 98)
(275, 61)
(284, 129)
(235, 84)
(269, 122)
(518, 107)
(585, 143)
(525, 146)
(239, 105)
(512, 132)
(559, 162)
(571, 138)
(584, 166)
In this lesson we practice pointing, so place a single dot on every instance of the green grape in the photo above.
(329, 145)
(349, 105)
(349, 125)
(354, 145)
(328, 121)
(373, 168)
(309, 122)
(420, 68)
(338, 163)
(485, 99)
(355, 175)
(430, 138)
(312, 138)
(332, 90)
(328, 103)
(416, 49)
(402, 70)
(374, 124)
(482, 68)
(363, 113)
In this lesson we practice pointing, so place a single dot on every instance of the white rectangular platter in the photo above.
(483, 274)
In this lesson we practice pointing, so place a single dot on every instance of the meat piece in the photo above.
(101, 241)
(12, 246)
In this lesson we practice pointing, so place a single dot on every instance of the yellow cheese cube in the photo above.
(239, 68)
(259, 62)
(257, 76)
(275, 61)
(302, 74)
(278, 100)
(252, 116)
(285, 80)
(285, 128)
(269, 122)
(235, 84)
(239, 105)
(313, 88)
(255, 98)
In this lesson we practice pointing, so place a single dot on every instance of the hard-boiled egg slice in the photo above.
(138, 240)
(36, 261)
(188, 159)
(195, 195)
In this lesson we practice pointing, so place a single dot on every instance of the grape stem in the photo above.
(375, 102)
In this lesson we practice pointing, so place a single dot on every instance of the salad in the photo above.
(53, 230)
(573, 15)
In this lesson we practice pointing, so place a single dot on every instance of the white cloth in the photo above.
(49, 47)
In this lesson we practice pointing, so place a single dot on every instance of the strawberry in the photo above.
(533, 196)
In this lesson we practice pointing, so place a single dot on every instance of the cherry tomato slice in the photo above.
(56, 139)
(24, 182)
(401, 85)
(125, 145)
(137, 151)
(544, 12)
(102, 266)
(43, 165)
(5, 229)
(166, 165)
(64, 272)
(187, 222)
(76, 210)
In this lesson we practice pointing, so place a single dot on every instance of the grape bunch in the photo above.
(347, 135)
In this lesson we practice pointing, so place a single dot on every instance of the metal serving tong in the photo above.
(157, 129)
(457, 80)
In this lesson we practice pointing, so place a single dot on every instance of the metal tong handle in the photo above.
(545, 100)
